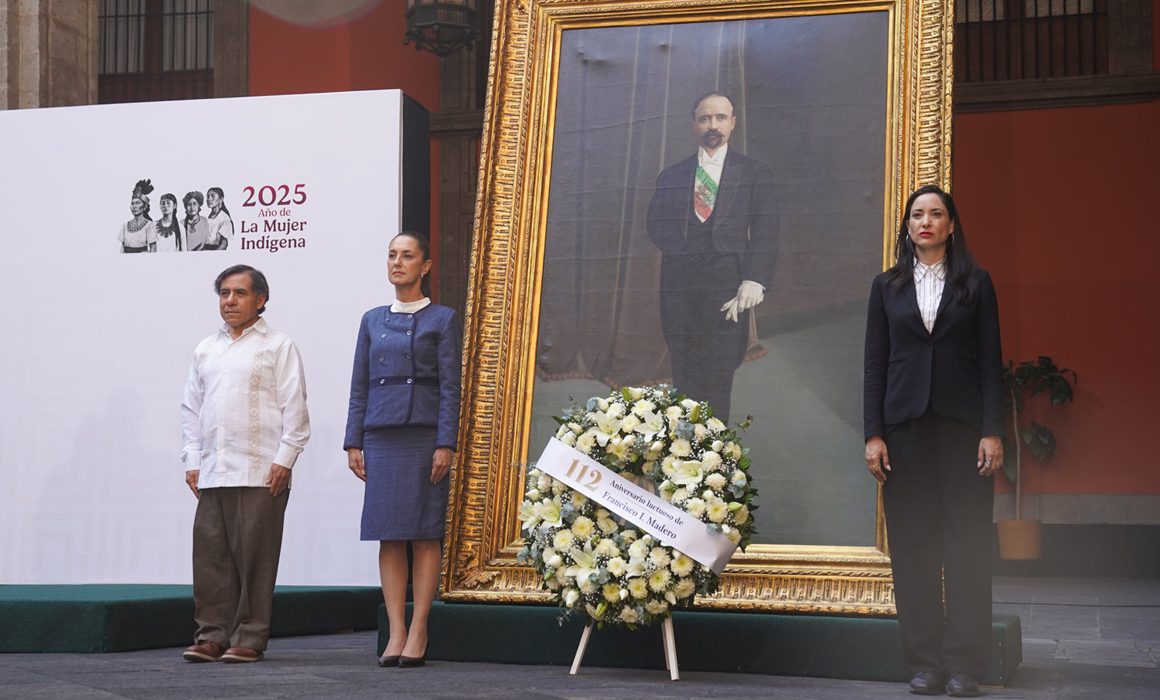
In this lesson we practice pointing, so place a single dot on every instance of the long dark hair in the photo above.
(221, 198)
(425, 248)
(960, 264)
(176, 227)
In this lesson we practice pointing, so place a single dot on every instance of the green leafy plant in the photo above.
(1021, 382)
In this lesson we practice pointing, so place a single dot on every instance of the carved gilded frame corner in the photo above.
(503, 301)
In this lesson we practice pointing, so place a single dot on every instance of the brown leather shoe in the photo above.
(239, 655)
(204, 650)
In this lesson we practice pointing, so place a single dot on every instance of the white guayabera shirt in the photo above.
(244, 407)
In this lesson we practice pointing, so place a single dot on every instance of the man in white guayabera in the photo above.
(244, 422)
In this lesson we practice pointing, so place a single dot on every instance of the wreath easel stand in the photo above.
(668, 641)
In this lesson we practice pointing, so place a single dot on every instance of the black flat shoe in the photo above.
(928, 683)
(962, 686)
(412, 661)
(388, 661)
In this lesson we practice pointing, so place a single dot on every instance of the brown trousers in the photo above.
(237, 539)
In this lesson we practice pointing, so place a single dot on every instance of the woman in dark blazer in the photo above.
(401, 432)
(933, 416)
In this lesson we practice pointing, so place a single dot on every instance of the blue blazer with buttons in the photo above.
(406, 373)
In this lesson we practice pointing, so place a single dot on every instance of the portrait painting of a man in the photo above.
(714, 217)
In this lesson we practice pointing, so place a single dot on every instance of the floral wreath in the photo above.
(597, 563)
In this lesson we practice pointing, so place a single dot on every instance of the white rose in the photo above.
(571, 596)
(717, 445)
(568, 439)
(715, 424)
(688, 404)
(575, 428)
(561, 432)
(643, 406)
(635, 392)
(739, 478)
(716, 481)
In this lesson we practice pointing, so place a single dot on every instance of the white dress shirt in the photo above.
(244, 407)
(929, 281)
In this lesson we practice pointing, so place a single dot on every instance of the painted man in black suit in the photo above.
(712, 218)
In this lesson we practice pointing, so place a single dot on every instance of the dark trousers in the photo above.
(938, 520)
(705, 348)
(237, 541)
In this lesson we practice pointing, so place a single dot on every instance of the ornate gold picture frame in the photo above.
(538, 45)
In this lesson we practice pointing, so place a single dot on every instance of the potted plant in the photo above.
(1019, 538)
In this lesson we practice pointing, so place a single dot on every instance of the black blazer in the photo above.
(956, 370)
(743, 219)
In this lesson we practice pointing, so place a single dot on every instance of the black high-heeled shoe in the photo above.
(412, 661)
(389, 661)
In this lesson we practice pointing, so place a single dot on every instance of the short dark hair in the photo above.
(194, 196)
(258, 283)
(707, 95)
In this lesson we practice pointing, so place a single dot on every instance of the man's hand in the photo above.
(877, 458)
(749, 295)
(191, 481)
(354, 462)
(440, 464)
(278, 479)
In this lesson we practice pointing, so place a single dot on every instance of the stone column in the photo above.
(48, 53)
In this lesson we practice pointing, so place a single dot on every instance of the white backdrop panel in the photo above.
(97, 344)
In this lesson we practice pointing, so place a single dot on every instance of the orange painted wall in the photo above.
(364, 51)
(1061, 206)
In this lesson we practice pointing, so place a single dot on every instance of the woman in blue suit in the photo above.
(401, 433)
(933, 416)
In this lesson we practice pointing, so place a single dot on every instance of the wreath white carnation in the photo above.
(594, 562)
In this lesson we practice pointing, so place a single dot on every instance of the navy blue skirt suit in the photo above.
(404, 404)
(931, 396)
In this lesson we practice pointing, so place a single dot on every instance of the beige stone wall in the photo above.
(48, 53)
(4, 11)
